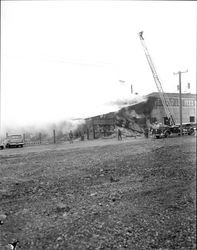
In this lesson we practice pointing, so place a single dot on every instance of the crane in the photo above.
(164, 98)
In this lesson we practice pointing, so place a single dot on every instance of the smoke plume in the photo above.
(137, 115)
(61, 128)
(124, 102)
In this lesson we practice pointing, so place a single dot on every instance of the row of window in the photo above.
(188, 103)
(154, 119)
(175, 102)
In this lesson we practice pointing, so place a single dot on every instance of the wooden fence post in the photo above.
(93, 132)
(54, 138)
(40, 137)
(88, 134)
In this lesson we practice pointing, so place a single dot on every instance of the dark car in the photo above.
(188, 129)
(161, 131)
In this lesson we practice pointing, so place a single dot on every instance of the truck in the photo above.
(164, 131)
(14, 141)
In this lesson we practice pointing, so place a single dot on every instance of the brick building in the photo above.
(188, 108)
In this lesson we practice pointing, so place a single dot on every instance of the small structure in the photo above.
(101, 125)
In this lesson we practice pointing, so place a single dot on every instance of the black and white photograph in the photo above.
(98, 125)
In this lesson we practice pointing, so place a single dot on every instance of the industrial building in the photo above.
(137, 116)
(188, 108)
(157, 107)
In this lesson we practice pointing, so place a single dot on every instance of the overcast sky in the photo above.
(63, 59)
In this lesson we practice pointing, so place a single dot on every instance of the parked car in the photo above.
(14, 141)
(188, 129)
(161, 131)
(2, 145)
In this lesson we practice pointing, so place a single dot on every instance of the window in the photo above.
(188, 103)
(192, 119)
(158, 102)
(174, 101)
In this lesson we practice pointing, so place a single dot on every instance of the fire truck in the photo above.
(160, 130)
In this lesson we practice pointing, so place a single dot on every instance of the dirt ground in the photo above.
(103, 194)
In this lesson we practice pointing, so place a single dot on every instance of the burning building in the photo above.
(100, 125)
(138, 116)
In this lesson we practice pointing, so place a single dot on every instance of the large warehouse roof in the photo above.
(184, 95)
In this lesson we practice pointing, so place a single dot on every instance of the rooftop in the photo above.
(184, 95)
(153, 94)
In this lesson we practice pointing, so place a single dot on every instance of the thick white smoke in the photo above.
(61, 127)
(124, 102)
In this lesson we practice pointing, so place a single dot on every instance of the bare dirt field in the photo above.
(103, 194)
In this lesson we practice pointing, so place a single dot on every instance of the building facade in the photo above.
(137, 117)
(188, 108)
(101, 125)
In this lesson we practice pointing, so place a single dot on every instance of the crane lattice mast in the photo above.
(164, 98)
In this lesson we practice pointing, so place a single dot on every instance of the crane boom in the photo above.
(164, 98)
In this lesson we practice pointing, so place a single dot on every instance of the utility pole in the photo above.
(180, 99)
